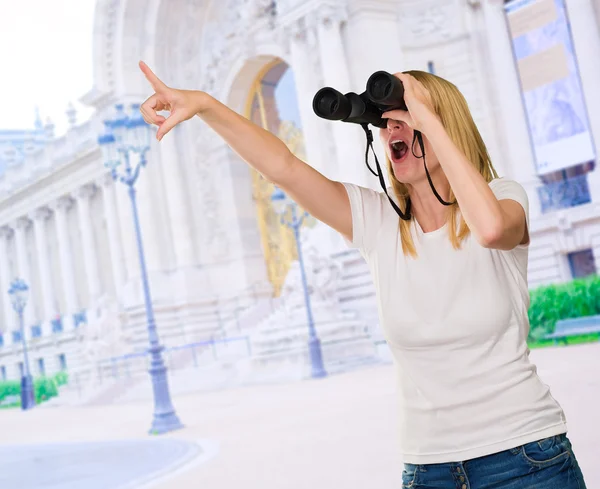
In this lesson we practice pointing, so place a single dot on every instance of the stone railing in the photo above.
(47, 159)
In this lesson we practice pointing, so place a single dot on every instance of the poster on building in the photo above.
(550, 83)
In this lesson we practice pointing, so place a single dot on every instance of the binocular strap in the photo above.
(419, 138)
(379, 174)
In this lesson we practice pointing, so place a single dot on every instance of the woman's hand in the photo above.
(420, 113)
(182, 104)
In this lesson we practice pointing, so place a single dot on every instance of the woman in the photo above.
(451, 286)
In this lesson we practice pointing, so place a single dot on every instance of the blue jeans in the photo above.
(544, 464)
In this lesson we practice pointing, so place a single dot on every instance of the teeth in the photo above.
(396, 144)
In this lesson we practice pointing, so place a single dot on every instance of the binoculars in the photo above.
(384, 92)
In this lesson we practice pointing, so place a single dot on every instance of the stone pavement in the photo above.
(332, 433)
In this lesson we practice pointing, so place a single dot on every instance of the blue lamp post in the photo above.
(19, 292)
(126, 137)
(284, 206)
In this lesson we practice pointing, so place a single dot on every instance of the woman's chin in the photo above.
(405, 171)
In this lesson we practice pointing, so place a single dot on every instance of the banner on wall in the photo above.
(550, 83)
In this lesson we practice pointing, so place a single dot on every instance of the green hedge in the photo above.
(9, 388)
(61, 378)
(45, 387)
(580, 297)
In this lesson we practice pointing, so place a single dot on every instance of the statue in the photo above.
(103, 335)
(322, 275)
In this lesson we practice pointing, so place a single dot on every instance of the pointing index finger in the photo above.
(156, 83)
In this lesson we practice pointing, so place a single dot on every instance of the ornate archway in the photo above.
(272, 104)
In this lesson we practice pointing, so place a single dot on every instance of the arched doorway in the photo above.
(272, 104)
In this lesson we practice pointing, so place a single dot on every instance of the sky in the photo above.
(45, 60)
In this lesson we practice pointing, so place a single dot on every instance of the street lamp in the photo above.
(282, 204)
(19, 292)
(125, 137)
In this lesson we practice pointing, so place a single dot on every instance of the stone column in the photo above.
(507, 103)
(9, 316)
(302, 62)
(112, 229)
(147, 190)
(83, 196)
(66, 260)
(586, 39)
(39, 217)
(125, 219)
(24, 270)
(350, 139)
(178, 210)
(150, 225)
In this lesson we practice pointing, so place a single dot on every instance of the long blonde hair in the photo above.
(453, 111)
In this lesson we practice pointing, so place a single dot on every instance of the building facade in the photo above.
(210, 233)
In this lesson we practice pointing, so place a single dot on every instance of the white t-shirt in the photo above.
(456, 323)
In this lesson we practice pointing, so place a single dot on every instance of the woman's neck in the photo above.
(426, 208)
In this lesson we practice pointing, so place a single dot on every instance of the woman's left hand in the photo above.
(418, 101)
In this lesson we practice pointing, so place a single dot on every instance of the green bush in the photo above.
(10, 388)
(44, 387)
(549, 303)
(61, 378)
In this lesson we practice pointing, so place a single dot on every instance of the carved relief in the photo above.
(215, 236)
(209, 42)
(331, 14)
(6, 232)
(229, 31)
(85, 192)
(110, 24)
(22, 223)
(188, 47)
(425, 22)
(40, 214)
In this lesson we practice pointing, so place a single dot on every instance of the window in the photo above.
(41, 367)
(3, 372)
(36, 331)
(57, 325)
(62, 362)
(565, 188)
(582, 263)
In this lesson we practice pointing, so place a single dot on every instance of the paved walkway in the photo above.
(335, 432)
(92, 465)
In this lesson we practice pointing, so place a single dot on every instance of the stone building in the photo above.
(214, 246)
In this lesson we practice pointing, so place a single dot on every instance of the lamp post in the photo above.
(19, 292)
(282, 204)
(127, 137)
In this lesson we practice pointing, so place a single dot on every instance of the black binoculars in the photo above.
(384, 92)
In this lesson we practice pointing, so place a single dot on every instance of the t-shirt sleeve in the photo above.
(505, 189)
(368, 210)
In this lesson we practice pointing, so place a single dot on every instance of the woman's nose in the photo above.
(392, 124)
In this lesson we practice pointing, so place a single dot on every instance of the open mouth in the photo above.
(399, 149)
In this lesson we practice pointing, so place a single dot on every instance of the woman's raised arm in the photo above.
(323, 198)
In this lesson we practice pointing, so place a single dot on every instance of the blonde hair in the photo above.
(452, 109)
